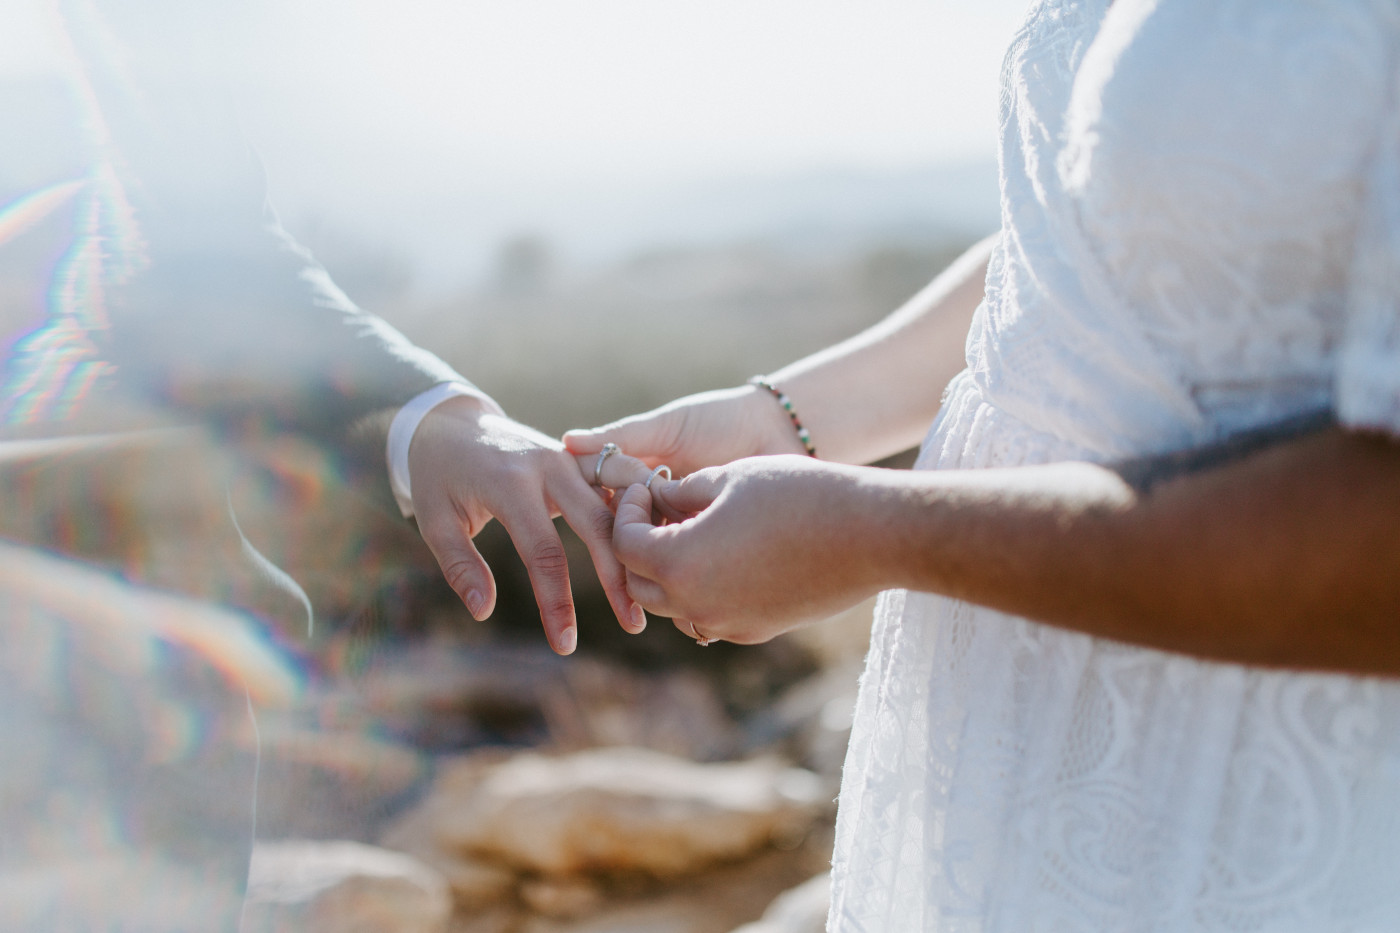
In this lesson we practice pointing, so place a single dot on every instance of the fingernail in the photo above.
(475, 602)
(568, 640)
(639, 619)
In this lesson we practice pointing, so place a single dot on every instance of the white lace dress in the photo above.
(1201, 233)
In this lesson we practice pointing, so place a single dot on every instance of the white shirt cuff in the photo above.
(405, 424)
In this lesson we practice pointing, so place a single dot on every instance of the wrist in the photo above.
(858, 520)
(774, 430)
(456, 397)
(886, 517)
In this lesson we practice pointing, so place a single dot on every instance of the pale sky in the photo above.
(637, 84)
(374, 103)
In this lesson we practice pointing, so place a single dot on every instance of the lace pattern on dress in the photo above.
(1008, 777)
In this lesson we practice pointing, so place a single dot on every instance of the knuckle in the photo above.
(600, 523)
(459, 573)
(549, 559)
(558, 606)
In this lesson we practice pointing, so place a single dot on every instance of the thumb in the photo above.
(633, 513)
(634, 536)
(462, 565)
(681, 498)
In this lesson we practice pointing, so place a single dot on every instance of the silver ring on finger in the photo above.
(700, 640)
(608, 450)
(663, 469)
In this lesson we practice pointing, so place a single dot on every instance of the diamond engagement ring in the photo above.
(608, 450)
(663, 469)
(700, 640)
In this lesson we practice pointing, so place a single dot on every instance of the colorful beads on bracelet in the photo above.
(783, 400)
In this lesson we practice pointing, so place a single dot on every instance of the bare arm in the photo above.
(1286, 555)
(863, 399)
(875, 394)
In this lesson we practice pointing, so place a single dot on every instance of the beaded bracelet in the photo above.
(786, 402)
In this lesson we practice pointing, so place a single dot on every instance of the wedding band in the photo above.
(657, 472)
(608, 450)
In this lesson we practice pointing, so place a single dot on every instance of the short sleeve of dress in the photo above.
(1367, 390)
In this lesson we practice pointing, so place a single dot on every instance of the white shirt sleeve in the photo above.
(405, 423)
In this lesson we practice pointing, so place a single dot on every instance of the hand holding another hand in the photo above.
(753, 542)
(763, 545)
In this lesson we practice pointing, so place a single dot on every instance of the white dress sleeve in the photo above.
(1367, 390)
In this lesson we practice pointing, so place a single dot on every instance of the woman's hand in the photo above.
(707, 429)
(766, 545)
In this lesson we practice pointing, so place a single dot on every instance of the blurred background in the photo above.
(588, 208)
(628, 171)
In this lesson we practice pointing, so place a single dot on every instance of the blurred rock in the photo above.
(802, 909)
(715, 901)
(475, 884)
(617, 811)
(444, 695)
(493, 920)
(328, 785)
(342, 887)
(811, 721)
(678, 712)
(564, 898)
(675, 914)
(841, 640)
(447, 695)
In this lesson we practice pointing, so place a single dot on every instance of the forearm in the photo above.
(861, 400)
(1284, 557)
(875, 394)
